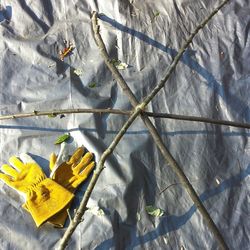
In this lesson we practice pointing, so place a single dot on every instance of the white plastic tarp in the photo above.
(211, 80)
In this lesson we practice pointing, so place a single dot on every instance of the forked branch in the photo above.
(140, 107)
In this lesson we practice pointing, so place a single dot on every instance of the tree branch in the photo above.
(65, 111)
(100, 166)
(199, 119)
(125, 112)
(138, 108)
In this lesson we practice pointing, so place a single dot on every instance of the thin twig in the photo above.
(199, 119)
(63, 112)
(54, 113)
(68, 212)
(167, 155)
(173, 184)
(163, 190)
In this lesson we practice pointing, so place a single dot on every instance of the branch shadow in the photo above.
(52, 53)
(33, 16)
(172, 223)
(241, 132)
(48, 9)
(231, 100)
(100, 120)
(5, 14)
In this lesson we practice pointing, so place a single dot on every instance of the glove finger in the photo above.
(52, 161)
(16, 163)
(9, 171)
(25, 158)
(87, 170)
(83, 163)
(63, 154)
(6, 179)
(83, 175)
(76, 156)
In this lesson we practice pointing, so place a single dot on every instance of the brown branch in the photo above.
(138, 108)
(64, 111)
(100, 166)
(199, 119)
(125, 112)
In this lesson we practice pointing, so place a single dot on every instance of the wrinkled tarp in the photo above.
(212, 80)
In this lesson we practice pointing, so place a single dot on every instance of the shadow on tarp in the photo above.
(48, 13)
(172, 223)
(231, 100)
(5, 13)
(240, 132)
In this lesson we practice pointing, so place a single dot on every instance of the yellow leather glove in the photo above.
(43, 196)
(70, 174)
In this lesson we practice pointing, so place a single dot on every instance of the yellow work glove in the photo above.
(43, 196)
(70, 174)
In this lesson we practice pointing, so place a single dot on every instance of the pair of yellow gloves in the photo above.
(47, 199)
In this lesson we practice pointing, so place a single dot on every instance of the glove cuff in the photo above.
(60, 218)
(47, 199)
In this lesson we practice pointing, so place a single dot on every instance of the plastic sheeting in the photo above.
(212, 80)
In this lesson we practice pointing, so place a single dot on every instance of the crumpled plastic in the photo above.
(210, 81)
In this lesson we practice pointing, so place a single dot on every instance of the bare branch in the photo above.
(125, 112)
(64, 111)
(100, 166)
(198, 119)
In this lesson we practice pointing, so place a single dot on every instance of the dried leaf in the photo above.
(122, 66)
(51, 65)
(96, 211)
(62, 138)
(78, 72)
(92, 85)
(217, 181)
(138, 216)
(154, 211)
(118, 64)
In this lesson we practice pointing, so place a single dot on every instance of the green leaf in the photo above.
(62, 138)
(154, 211)
(118, 64)
(52, 115)
(156, 14)
(115, 61)
(92, 85)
